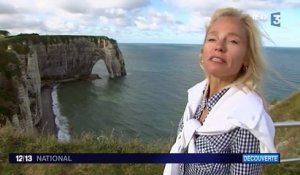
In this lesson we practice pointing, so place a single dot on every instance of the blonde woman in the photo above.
(225, 113)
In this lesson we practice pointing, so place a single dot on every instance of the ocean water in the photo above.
(148, 103)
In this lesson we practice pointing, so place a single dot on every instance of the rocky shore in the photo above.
(47, 124)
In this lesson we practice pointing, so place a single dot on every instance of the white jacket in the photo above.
(236, 108)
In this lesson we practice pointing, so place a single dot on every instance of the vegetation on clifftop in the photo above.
(19, 43)
(9, 67)
(9, 64)
(16, 141)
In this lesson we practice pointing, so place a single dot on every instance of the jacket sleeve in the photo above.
(256, 120)
(245, 142)
(184, 118)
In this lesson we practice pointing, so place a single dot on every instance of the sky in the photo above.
(145, 21)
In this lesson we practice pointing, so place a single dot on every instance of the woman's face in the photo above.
(224, 50)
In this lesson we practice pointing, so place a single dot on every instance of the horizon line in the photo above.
(197, 44)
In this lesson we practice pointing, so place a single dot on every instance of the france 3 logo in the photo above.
(276, 19)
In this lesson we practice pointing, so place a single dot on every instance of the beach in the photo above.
(47, 124)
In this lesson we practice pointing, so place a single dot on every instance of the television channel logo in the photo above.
(276, 19)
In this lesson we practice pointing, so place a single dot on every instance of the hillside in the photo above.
(12, 140)
(287, 139)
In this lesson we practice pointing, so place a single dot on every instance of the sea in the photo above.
(149, 101)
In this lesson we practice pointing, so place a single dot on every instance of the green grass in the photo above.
(287, 139)
(14, 140)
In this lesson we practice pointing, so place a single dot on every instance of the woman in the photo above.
(225, 113)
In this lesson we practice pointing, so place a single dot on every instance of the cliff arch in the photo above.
(77, 58)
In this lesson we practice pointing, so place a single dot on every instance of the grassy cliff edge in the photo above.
(13, 141)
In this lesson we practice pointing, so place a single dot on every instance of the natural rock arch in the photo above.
(77, 59)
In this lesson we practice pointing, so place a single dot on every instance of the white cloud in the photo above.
(103, 19)
(120, 18)
(57, 24)
(115, 12)
(200, 10)
(20, 23)
(76, 6)
(7, 8)
(125, 4)
(116, 21)
(155, 20)
(195, 24)
(202, 6)
(207, 7)
(83, 6)
(143, 24)
(61, 17)
(290, 3)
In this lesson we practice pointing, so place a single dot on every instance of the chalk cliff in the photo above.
(77, 58)
(27, 60)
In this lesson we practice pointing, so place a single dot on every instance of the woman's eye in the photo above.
(233, 41)
(211, 39)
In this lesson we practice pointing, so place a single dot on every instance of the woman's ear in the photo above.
(245, 65)
(201, 59)
(246, 62)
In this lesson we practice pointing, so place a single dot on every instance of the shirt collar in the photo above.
(211, 101)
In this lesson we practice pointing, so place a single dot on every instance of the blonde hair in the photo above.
(251, 75)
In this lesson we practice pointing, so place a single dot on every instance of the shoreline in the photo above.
(47, 124)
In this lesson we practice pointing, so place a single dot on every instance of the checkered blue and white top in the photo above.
(238, 140)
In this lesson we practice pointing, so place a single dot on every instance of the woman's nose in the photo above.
(220, 46)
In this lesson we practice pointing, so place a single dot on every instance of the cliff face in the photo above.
(20, 95)
(25, 64)
(27, 88)
(77, 58)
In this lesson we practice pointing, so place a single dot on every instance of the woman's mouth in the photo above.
(217, 59)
